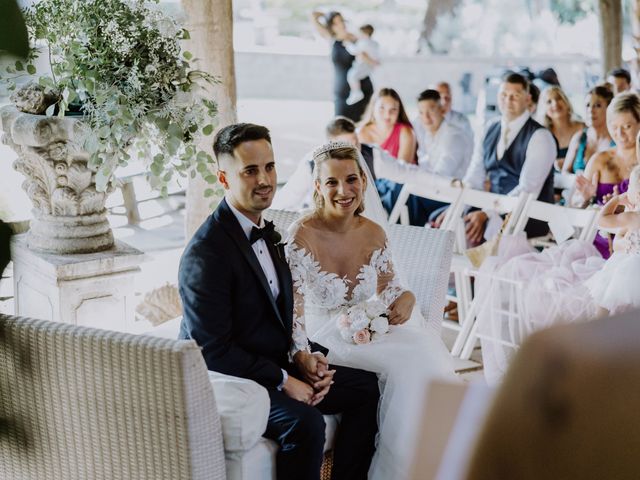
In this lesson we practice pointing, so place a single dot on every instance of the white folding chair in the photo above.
(440, 189)
(578, 218)
(461, 267)
(584, 220)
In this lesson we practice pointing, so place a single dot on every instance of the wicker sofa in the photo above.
(81, 403)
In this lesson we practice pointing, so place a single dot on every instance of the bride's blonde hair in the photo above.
(337, 150)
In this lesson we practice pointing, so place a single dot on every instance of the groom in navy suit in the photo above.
(237, 293)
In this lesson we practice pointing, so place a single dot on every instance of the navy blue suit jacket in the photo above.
(228, 306)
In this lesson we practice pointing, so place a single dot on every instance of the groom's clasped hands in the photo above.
(317, 377)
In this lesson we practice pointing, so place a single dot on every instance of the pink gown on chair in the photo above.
(524, 290)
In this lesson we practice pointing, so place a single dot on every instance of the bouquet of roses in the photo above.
(363, 322)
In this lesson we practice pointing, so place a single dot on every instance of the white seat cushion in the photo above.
(243, 406)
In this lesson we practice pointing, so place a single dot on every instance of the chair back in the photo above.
(440, 190)
(80, 402)
(579, 218)
(422, 257)
(488, 201)
(282, 219)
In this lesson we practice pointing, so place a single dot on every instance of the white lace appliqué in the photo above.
(324, 289)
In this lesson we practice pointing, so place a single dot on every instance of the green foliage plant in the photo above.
(122, 64)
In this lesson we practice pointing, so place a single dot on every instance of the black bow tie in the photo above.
(268, 232)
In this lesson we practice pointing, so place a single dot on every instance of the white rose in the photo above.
(359, 319)
(375, 308)
(380, 325)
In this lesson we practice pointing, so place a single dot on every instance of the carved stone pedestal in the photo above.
(69, 214)
(94, 290)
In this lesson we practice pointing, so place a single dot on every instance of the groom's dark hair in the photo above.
(229, 137)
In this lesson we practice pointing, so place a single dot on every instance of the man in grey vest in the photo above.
(514, 155)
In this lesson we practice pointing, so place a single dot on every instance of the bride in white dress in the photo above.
(340, 258)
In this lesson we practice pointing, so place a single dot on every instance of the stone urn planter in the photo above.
(69, 213)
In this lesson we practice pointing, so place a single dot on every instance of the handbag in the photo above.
(477, 255)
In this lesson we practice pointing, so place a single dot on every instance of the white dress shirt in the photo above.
(460, 120)
(260, 249)
(447, 152)
(541, 153)
(266, 262)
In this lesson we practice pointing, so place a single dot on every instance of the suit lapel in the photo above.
(233, 228)
(285, 282)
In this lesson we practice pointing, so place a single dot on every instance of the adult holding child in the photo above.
(332, 27)
(340, 260)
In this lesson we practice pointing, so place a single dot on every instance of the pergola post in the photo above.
(210, 23)
(610, 16)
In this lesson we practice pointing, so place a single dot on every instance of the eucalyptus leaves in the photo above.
(121, 62)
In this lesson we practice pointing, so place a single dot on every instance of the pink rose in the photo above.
(361, 337)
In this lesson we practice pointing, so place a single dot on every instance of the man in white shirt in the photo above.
(455, 118)
(442, 146)
(443, 149)
(515, 155)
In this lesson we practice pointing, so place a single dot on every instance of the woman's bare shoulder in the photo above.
(374, 231)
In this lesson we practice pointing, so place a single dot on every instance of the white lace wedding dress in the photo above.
(405, 359)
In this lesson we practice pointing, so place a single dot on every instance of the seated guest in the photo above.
(595, 138)
(387, 125)
(443, 149)
(455, 118)
(620, 78)
(607, 172)
(516, 154)
(556, 113)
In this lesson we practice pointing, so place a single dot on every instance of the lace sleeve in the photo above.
(296, 258)
(388, 286)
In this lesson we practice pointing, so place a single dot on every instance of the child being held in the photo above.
(367, 53)
(615, 288)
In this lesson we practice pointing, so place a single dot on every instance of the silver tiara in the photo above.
(329, 146)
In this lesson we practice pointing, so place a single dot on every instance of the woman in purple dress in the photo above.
(608, 171)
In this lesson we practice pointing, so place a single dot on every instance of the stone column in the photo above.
(69, 213)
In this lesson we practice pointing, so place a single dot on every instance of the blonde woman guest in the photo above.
(608, 172)
(556, 113)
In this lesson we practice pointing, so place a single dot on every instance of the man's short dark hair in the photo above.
(518, 79)
(368, 29)
(429, 94)
(534, 91)
(229, 137)
(339, 126)
(620, 73)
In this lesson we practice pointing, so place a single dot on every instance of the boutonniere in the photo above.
(274, 237)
